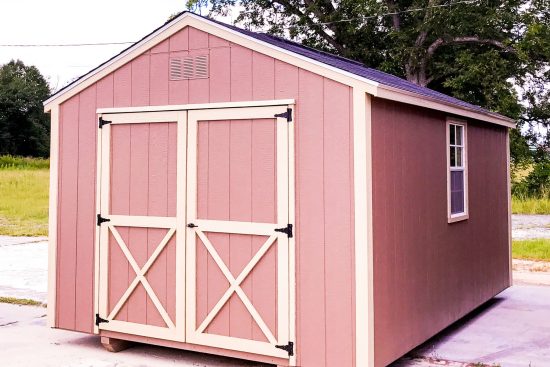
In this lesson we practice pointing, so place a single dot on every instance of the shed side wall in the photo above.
(324, 185)
(428, 273)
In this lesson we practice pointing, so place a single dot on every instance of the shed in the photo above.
(234, 193)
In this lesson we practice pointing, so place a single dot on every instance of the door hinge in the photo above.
(287, 230)
(100, 219)
(289, 348)
(99, 320)
(103, 122)
(286, 115)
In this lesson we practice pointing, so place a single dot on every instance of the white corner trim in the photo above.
(52, 215)
(362, 173)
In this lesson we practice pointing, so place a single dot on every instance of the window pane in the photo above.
(458, 157)
(452, 134)
(458, 138)
(457, 192)
(453, 156)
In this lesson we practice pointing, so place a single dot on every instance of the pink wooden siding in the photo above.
(237, 181)
(145, 186)
(324, 186)
(428, 273)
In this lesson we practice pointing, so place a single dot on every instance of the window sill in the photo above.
(457, 218)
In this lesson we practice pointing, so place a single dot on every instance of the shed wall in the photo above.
(428, 273)
(324, 179)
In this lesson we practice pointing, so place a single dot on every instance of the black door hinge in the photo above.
(287, 230)
(103, 122)
(99, 320)
(286, 115)
(288, 348)
(100, 219)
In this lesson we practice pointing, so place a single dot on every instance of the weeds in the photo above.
(21, 301)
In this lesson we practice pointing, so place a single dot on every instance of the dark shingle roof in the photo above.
(354, 67)
(350, 66)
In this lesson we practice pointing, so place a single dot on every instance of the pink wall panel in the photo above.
(444, 270)
(140, 80)
(86, 213)
(338, 184)
(310, 192)
(180, 41)
(159, 79)
(323, 131)
(68, 211)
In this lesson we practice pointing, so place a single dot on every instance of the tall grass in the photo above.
(24, 186)
(11, 162)
(530, 205)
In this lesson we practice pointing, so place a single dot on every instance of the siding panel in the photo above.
(428, 273)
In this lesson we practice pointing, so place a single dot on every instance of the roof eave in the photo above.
(400, 95)
(372, 87)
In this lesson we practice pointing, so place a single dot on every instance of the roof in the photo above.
(325, 58)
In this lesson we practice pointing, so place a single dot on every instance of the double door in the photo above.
(195, 226)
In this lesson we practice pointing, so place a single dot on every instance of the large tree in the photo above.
(24, 127)
(491, 53)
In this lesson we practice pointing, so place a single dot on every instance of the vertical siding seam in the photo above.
(324, 221)
(77, 205)
(351, 183)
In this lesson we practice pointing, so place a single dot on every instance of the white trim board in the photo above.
(219, 30)
(53, 211)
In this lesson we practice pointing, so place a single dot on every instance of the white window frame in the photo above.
(456, 217)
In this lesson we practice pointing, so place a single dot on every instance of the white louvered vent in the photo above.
(190, 67)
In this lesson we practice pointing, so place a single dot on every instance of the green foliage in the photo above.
(536, 249)
(536, 184)
(491, 53)
(24, 127)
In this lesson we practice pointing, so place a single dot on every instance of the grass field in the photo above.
(24, 186)
(530, 205)
(537, 249)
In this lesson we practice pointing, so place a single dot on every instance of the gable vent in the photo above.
(190, 67)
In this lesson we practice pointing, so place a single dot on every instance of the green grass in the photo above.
(23, 196)
(11, 162)
(536, 249)
(530, 205)
(21, 301)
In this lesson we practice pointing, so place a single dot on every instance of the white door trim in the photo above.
(175, 225)
(194, 333)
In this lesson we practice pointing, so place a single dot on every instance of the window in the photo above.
(457, 174)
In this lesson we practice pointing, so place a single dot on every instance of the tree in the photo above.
(491, 53)
(24, 127)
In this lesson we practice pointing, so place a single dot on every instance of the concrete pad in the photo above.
(512, 330)
(25, 340)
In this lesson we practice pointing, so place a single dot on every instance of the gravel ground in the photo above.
(530, 226)
(23, 267)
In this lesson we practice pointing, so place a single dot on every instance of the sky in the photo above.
(76, 21)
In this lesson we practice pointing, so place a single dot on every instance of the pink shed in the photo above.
(236, 194)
